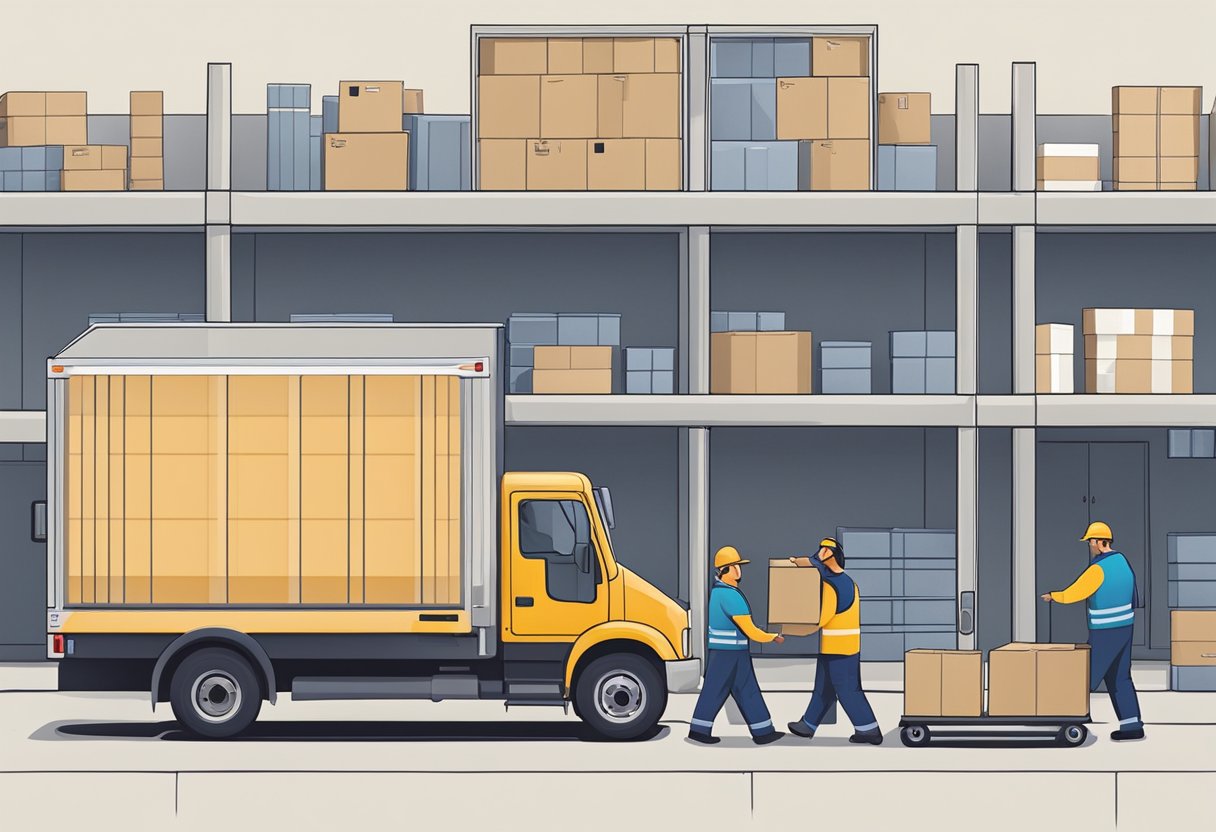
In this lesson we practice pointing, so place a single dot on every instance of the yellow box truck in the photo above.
(239, 510)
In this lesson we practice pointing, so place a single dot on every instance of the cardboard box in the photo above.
(591, 382)
(904, 118)
(504, 164)
(840, 165)
(508, 107)
(1067, 185)
(1135, 186)
(568, 106)
(97, 157)
(1053, 339)
(1181, 101)
(22, 131)
(1039, 680)
(557, 165)
(1178, 170)
(794, 595)
(666, 54)
(66, 104)
(147, 103)
(1134, 135)
(848, 108)
(571, 358)
(1142, 376)
(943, 683)
(1135, 169)
(1192, 625)
(67, 130)
(1144, 347)
(412, 102)
(147, 146)
(94, 180)
(1053, 373)
(610, 106)
(630, 55)
(840, 56)
(617, 164)
(1078, 168)
(147, 185)
(1134, 100)
(147, 127)
(664, 165)
(22, 104)
(367, 161)
(565, 56)
(651, 107)
(512, 56)
(760, 362)
(598, 56)
(1193, 653)
(147, 167)
(370, 106)
(1177, 186)
(802, 108)
(1114, 321)
(1178, 135)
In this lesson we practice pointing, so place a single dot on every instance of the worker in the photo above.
(728, 666)
(838, 668)
(1109, 585)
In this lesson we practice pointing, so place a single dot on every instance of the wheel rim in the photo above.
(1073, 734)
(216, 696)
(619, 696)
(916, 734)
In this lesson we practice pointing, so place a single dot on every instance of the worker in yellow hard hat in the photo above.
(1109, 588)
(728, 666)
(838, 667)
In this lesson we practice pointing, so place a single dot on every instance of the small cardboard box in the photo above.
(97, 157)
(1134, 135)
(22, 104)
(1179, 101)
(585, 382)
(568, 106)
(630, 55)
(651, 109)
(610, 106)
(147, 103)
(1178, 136)
(904, 118)
(793, 597)
(840, 56)
(664, 165)
(1039, 680)
(1053, 373)
(840, 165)
(1134, 100)
(1178, 170)
(1053, 339)
(943, 683)
(1134, 375)
(565, 56)
(802, 108)
(94, 180)
(367, 161)
(147, 147)
(147, 184)
(616, 164)
(504, 164)
(508, 107)
(1113, 321)
(411, 102)
(147, 127)
(598, 56)
(370, 106)
(1135, 170)
(1068, 168)
(666, 54)
(147, 167)
(572, 358)
(22, 131)
(1193, 625)
(557, 165)
(848, 108)
(1193, 653)
(67, 130)
(513, 56)
(760, 362)
(66, 104)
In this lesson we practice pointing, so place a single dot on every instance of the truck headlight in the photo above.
(685, 641)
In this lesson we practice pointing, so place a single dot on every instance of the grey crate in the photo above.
(1203, 444)
(54, 180)
(908, 375)
(865, 543)
(1193, 679)
(637, 382)
(534, 328)
(909, 344)
(578, 330)
(315, 180)
(663, 358)
(610, 330)
(730, 58)
(930, 583)
(777, 166)
(663, 382)
(871, 583)
(439, 152)
(10, 159)
(1192, 571)
(301, 150)
(519, 380)
(33, 159)
(1190, 548)
(791, 57)
(743, 109)
(939, 375)
(639, 358)
(882, 647)
(845, 382)
(1186, 595)
(1180, 443)
(770, 321)
(939, 344)
(521, 355)
(12, 180)
(33, 180)
(329, 114)
(747, 321)
(907, 168)
(845, 355)
(764, 110)
(727, 168)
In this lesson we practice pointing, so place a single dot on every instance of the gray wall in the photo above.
(943, 135)
(1148, 269)
(774, 492)
(249, 153)
(10, 322)
(841, 286)
(1096, 129)
(994, 610)
(185, 146)
(639, 465)
(996, 153)
(996, 312)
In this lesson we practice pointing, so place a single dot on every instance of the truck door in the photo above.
(557, 579)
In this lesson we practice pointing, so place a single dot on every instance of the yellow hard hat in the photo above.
(1098, 531)
(830, 542)
(728, 556)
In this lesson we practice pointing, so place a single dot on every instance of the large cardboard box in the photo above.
(96, 157)
(904, 118)
(760, 362)
(598, 56)
(840, 165)
(1135, 170)
(572, 370)
(512, 56)
(794, 595)
(1134, 135)
(568, 106)
(557, 165)
(22, 131)
(22, 104)
(1134, 100)
(802, 108)
(1145, 347)
(1193, 625)
(503, 164)
(1193, 653)
(1181, 101)
(848, 108)
(508, 107)
(666, 54)
(1178, 136)
(832, 56)
(584, 382)
(1178, 170)
(370, 106)
(565, 56)
(94, 180)
(67, 130)
(147, 167)
(651, 107)
(1131, 375)
(943, 683)
(66, 104)
(664, 165)
(147, 102)
(1039, 680)
(630, 55)
(572, 358)
(616, 164)
(367, 161)
(1117, 321)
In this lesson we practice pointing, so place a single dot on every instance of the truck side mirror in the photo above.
(582, 557)
(603, 498)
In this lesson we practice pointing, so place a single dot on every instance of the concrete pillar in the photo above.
(219, 193)
(695, 312)
(967, 126)
(697, 526)
(1023, 309)
(219, 127)
(967, 534)
(966, 338)
(697, 137)
(1024, 600)
(1023, 125)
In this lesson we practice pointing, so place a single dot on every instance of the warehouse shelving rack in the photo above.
(695, 215)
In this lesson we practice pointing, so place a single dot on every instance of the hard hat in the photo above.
(1098, 531)
(728, 556)
(830, 542)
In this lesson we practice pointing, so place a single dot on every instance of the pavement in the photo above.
(108, 761)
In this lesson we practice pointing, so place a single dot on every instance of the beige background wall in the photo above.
(1082, 47)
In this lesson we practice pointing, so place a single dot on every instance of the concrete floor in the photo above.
(108, 761)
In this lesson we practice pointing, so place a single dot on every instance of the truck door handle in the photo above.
(523, 600)
(38, 521)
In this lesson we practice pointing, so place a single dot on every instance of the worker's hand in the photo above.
(780, 639)
(803, 561)
(1046, 596)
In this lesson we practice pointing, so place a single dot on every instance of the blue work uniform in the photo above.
(1111, 611)
(728, 666)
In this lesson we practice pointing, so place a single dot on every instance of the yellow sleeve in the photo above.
(749, 628)
(1083, 587)
(827, 605)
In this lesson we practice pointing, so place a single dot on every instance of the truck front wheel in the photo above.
(215, 693)
(620, 697)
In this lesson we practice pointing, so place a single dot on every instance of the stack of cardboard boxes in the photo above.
(562, 352)
(1068, 167)
(575, 114)
(34, 119)
(370, 150)
(95, 167)
(148, 141)
(1193, 650)
(1139, 350)
(1053, 358)
(751, 352)
(1156, 138)
(906, 159)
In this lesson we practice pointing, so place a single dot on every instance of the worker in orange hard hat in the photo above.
(1109, 587)
(728, 666)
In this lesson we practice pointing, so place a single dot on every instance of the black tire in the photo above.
(215, 693)
(1072, 735)
(620, 697)
(915, 736)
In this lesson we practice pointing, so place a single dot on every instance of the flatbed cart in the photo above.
(1067, 731)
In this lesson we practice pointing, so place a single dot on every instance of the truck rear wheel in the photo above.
(620, 697)
(215, 693)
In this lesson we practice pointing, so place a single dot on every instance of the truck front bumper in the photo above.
(683, 676)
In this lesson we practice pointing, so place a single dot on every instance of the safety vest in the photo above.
(721, 631)
(1113, 605)
(841, 634)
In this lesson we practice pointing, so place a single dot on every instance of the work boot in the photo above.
(871, 737)
(1130, 734)
(704, 739)
(801, 729)
(765, 739)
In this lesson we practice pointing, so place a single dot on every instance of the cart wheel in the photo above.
(914, 736)
(1072, 735)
